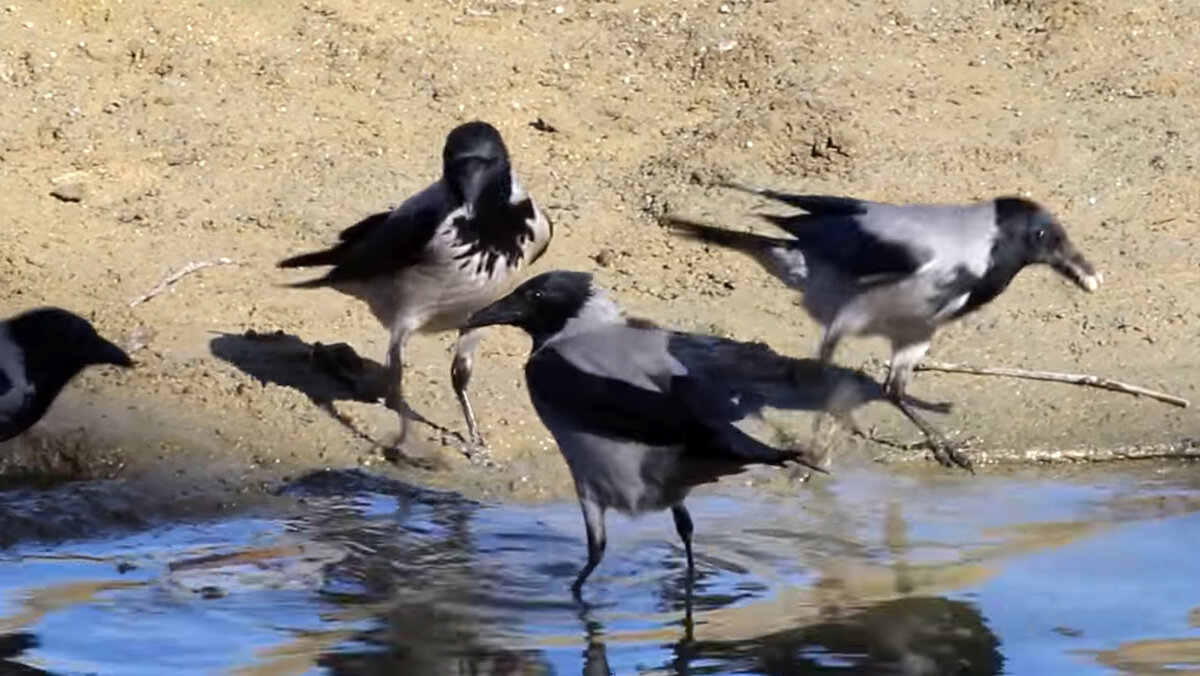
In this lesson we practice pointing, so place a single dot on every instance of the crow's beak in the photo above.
(1069, 263)
(474, 176)
(512, 310)
(473, 182)
(108, 353)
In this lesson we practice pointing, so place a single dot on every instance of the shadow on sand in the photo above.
(323, 373)
(754, 376)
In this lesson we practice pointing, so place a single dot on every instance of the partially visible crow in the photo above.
(41, 350)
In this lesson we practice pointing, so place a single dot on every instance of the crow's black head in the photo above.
(475, 164)
(542, 305)
(1034, 236)
(53, 336)
(54, 345)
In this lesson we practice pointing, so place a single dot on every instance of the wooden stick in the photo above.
(176, 276)
(1071, 378)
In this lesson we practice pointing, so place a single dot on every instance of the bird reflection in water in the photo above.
(12, 647)
(435, 603)
(913, 636)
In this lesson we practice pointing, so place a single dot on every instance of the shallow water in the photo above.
(874, 573)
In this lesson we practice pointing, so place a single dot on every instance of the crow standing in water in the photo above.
(40, 352)
(901, 271)
(633, 408)
(444, 253)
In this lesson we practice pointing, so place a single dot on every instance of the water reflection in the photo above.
(916, 636)
(12, 646)
(872, 574)
(907, 636)
(448, 590)
(419, 576)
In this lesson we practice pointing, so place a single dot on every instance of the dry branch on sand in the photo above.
(1070, 378)
(179, 274)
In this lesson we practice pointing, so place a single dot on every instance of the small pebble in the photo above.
(70, 191)
(605, 258)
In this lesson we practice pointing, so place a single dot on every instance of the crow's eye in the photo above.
(1041, 233)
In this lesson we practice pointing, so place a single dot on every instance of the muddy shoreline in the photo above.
(136, 139)
(69, 485)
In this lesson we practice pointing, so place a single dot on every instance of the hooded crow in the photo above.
(444, 253)
(638, 426)
(901, 271)
(41, 350)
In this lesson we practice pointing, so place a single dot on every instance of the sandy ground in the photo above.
(179, 133)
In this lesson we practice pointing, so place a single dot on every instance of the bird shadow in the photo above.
(753, 377)
(323, 373)
(758, 377)
(320, 372)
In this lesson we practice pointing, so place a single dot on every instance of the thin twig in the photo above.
(178, 275)
(1071, 378)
